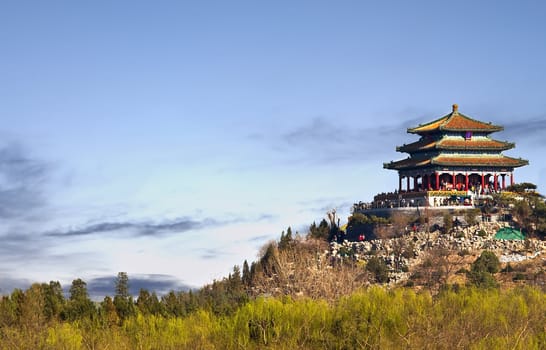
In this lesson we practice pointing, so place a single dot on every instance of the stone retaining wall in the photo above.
(463, 239)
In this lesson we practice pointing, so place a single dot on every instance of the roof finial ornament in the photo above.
(455, 108)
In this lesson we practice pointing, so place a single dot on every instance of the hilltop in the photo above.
(430, 251)
(308, 267)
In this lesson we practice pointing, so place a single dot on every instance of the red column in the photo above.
(437, 181)
(415, 184)
(399, 183)
(511, 179)
(454, 181)
(503, 182)
(466, 181)
(428, 182)
(495, 186)
(483, 181)
(407, 184)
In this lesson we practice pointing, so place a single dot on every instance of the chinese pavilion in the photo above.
(455, 153)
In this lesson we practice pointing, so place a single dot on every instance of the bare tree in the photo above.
(305, 270)
(437, 266)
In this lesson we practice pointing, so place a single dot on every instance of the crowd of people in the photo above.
(399, 199)
(475, 187)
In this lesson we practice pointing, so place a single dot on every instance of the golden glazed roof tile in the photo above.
(442, 160)
(497, 161)
(474, 144)
(456, 144)
(421, 145)
(455, 121)
(407, 163)
(459, 122)
(433, 125)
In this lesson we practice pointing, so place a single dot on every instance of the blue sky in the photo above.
(172, 139)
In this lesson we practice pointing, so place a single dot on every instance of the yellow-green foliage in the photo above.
(156, 332)
(270, 322)
(64, 336)
(379, 318)
(376, 318)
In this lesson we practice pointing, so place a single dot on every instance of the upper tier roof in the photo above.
(454, 144)
(455, 121)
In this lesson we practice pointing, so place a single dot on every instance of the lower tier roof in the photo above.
(501, 161)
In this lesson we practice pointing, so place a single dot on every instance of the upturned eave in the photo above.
(455, 121)
(486, 145)
(500, 162)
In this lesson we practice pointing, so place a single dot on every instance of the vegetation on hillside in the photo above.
(375, 318)
(297, 296)
(527, 207)
(291, 297)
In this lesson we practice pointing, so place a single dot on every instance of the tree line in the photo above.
(372, 318)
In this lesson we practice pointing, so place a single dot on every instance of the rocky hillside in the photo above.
(317, 269)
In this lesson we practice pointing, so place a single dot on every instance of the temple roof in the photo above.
(456, 141)
(455, 121)
(456, 144)
(450, 160)
(493, 160)
(407, 163)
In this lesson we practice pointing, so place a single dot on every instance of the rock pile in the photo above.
(403, 250)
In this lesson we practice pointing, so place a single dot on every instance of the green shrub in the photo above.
(379, 269)
(486, 262)
(519, 277)
(482, 279)
(482, 270)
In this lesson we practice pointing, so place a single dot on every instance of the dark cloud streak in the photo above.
(141, 229)
(526, 129)
(259, 238)
(324, 141)
(137, 228)
(19, 246)
(210, 254)
(21, 181)
(161, 284)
